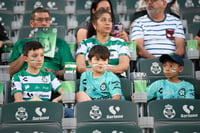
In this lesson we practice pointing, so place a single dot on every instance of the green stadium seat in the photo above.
(108, 128)
(35, 128)
(153, 68)
(174, 111)
(106, 111)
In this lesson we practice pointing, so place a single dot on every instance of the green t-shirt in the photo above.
(62, 54)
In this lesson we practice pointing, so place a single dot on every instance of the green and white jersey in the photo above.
(40, 85)
(116, 46)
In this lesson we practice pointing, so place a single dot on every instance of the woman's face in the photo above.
(103, 24)
(103, 5)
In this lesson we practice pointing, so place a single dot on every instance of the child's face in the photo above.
(35, 58)
(98, 65)
(171, 69)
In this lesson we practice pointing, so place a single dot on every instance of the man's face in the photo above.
(155, 6)
(41, 19)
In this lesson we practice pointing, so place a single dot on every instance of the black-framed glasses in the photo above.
(43, 19)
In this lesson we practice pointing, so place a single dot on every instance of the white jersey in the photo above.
(40, 85)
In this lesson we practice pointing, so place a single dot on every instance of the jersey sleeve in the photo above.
(55, 82)
(152, 89)
(190, 91)
(16, 85)
(83, 84)
(115, 86)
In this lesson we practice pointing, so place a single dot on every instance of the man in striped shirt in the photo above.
(158, 33)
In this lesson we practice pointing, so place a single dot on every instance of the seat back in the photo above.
(32, 112)
(170, 111)
(34, 128)
(108, 128)
(178, 128)
(153, 68)
(100, 111)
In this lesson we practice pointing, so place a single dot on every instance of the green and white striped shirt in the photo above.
(40, 85)
(116, 46)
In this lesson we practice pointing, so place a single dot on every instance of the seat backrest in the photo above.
(153, 68)
(32, 112)
(172, 111)
(100, 111)
(108, 128)
(34, 128)
(126, 86)
(178, 128)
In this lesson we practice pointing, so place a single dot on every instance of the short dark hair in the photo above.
(91, 30)
(100, 51)
(32, 45)
(39, 9)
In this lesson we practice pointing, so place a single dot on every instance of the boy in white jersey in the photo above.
(172, 87)
(98, 84)
(34, 84)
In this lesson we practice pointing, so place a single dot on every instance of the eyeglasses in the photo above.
(150, 0)
(43, 19)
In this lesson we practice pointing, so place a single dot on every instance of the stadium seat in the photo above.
(45, 113)
(54, 6)
(174, 111)
(126, 86)
(106, 111)
(7, 5)
(194, 28)
(153, 68)
(178, 128)
(34, 128)
(108, 128)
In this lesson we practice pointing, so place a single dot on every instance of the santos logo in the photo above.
(188, 109)
(40, 112)
(114, 110)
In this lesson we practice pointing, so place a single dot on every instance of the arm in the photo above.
(198, 39)
(59, 98)
(81, 65)
(142, 52)
(116, 97)
(180, 46)
(122, 66)
(18, 97)
(81, 35)
(16, 65)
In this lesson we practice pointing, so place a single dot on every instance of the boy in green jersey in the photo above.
(99, 83)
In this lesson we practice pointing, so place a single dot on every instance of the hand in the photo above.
(49, 70)
(55, 100)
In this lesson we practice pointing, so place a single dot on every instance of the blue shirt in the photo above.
(103, 87)
(164, 89)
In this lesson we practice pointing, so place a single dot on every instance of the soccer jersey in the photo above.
(164, 89)
(62, 54)
(116, 46)
(103, 87)
(159, 37)
(31, 86)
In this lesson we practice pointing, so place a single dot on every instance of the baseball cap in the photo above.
(172, 57)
